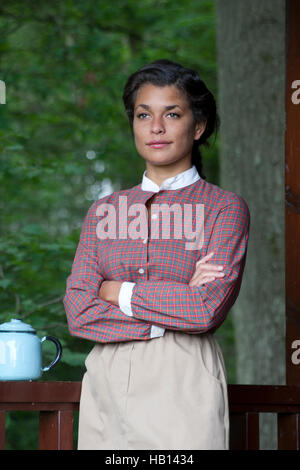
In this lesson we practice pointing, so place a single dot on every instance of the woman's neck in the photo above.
(158, 174)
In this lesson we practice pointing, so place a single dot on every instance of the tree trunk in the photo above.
(251, 76)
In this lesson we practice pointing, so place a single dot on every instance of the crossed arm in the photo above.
(204, 272)
(96, 314)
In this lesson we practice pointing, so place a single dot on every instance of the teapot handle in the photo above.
(58, 351)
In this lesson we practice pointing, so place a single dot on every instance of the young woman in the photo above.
(151, 299)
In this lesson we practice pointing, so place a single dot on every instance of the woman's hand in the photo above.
(205, 272)
(109, 291)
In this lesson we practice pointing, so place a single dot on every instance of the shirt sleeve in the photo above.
(125, 295)
(88, 315)
(178, 306)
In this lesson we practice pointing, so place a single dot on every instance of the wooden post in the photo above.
(56, 430)
(288, 431)
(244, 431)
(292, 193)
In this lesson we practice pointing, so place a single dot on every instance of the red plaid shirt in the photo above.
(156, 269)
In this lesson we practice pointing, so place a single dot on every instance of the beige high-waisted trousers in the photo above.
(166, 393)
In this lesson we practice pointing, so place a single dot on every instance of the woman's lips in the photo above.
(159, 146)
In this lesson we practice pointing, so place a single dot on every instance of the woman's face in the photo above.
(162, 114)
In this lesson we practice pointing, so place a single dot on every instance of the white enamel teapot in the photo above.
(21, 351)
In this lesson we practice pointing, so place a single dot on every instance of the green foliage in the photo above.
(64, 135)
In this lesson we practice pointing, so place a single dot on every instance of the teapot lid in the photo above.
(16, 326)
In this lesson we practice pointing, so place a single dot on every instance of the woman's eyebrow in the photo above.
(146, 106)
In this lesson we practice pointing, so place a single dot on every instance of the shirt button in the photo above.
(141, 271)
(145, 240)
(154, 216)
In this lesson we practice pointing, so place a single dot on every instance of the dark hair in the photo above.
(164, 72)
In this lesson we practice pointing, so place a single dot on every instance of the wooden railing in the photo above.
(56, 403)
(247, 402)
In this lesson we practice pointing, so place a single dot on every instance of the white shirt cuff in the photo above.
(125, 295)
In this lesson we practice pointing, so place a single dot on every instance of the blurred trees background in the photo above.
(65, 142)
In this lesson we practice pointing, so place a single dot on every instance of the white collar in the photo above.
(180, 180)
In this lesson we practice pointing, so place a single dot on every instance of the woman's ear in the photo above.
(199, 129)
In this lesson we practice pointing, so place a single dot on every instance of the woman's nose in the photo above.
(157, 126)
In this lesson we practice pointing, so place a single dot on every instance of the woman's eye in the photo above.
(141, 115)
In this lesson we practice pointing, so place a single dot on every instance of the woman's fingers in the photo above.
(203, 265)
(203, 262)
(205, 276)
(206, 257)
(206, 272)
(202, 279)
(209, 267)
